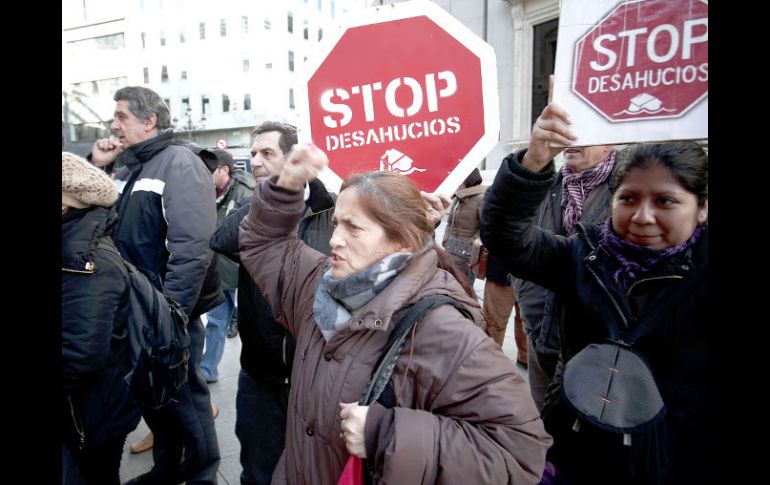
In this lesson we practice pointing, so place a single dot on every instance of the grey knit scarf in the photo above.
(336, 299)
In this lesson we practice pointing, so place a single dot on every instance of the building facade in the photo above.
(222, 67)
(225, 66)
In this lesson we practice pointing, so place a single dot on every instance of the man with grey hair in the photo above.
(167, 214)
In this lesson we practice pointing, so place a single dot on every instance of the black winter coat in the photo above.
(240, 188)
(96, 402)
(579, 271)
(268, 348)
(537, 305)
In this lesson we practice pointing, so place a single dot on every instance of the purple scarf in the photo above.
(576, 187)
(636, 261)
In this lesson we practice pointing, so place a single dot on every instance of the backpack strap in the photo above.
(387, 362)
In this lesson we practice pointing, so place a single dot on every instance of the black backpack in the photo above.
(155, 340)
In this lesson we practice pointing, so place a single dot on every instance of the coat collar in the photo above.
(420, 279)
(142, 152)
(470, 191)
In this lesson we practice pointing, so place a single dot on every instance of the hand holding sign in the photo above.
(550, 129)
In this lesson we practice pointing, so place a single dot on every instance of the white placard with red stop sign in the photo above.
(406, 88)
(221, 143)
(633, 71)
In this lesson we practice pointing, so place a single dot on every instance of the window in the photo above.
(320, 34)
(181, 37)
(291, 61)
(245, 65)
(186, 104)
(305, 30)
(246, 102)
(146, 75)
(168, 103)
(320, 4)
(268, 65)
(144, 39)
(184, 75)
(225, 103)
(290, 20)
(332, 8)
(164, 74)
(291, 98)
(204, 102)
(268, 24)
(202, 29)
(105, 42)
(162, 38)
(223, 28)
(245, 24)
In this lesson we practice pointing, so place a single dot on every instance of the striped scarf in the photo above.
(636, 261)
(576, 187)
(336, 299)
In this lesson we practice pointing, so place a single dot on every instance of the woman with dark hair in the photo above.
(463, 224)
(636, 285)
(462, 414)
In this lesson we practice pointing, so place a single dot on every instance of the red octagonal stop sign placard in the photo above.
(404, 88)
(644, 60)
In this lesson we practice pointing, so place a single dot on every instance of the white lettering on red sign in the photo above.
(604, 44)
(662, 45)
(366, 91)
(390, 134)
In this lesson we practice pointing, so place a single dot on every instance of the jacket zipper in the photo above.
(76, 271)
(609, 295)
(80, 430)
(283, 354)
(675, 277)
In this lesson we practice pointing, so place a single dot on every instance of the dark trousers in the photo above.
(541, 369)
(186, 427)
(99, 464)
(260, 425)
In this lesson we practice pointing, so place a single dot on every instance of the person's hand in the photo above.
(105, 151)
(550, 127)
(304, 164)
(437, 204)
(353, 421)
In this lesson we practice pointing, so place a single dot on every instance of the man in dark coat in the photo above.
(232, 186)
(167, 215)
(268, 348)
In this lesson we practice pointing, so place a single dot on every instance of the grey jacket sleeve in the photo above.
(189, 206)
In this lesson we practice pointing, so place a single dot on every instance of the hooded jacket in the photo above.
(96, 401)
(167, 214)
(463, 414)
